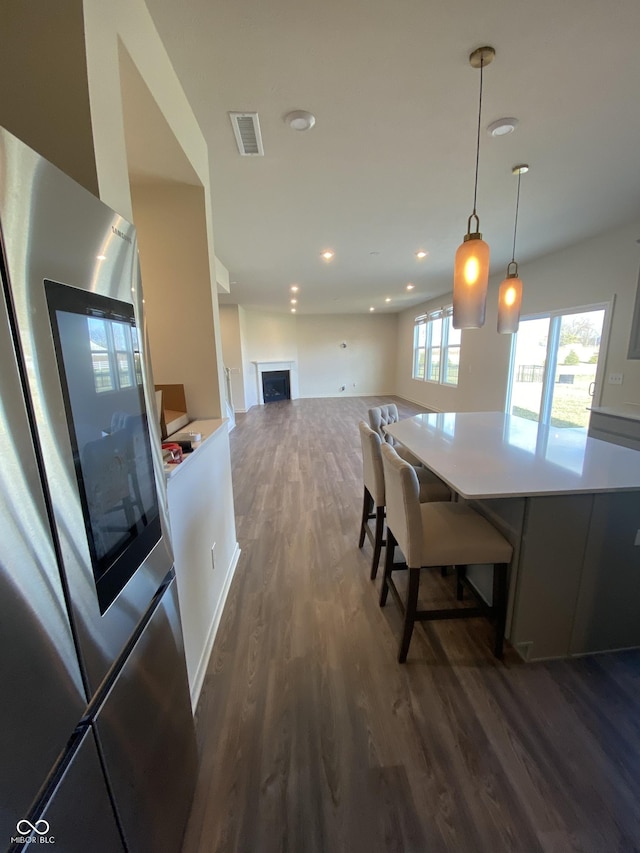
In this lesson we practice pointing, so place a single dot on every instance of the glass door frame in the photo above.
(555, 320)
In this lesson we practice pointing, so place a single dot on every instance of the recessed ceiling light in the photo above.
(410, 286)
(101, 257)
(421, 254)
(502, 126)
(294, 288)
(328, 254)
(293, 310)
(372, 308)
(294, 301)
(300, 120)
(388, 299)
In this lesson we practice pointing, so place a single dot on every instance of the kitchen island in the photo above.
(570, 506)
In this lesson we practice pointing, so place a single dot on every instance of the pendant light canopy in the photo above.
(510, 294)
(471, 267)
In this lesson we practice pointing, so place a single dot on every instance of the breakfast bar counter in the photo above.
(570, 506)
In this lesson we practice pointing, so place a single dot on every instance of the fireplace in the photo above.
(275, 385)
(276, 368)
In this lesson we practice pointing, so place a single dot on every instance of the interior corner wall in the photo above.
(44, 96)
(232, 353)
(249, 381)
(175, 278)
(601, 269)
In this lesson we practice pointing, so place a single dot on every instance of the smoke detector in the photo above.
(300, 120)
(502, 126)
(246, 129)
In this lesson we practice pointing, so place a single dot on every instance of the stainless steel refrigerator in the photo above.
(97, 745)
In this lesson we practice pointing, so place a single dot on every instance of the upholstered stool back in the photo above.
(381, 416)
(372, 463)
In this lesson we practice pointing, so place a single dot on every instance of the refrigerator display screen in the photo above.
(98, 352)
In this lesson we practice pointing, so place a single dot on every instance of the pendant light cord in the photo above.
(515, 224)
(475, 188)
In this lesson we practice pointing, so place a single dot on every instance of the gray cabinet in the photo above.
(619, 427)
(575, 580)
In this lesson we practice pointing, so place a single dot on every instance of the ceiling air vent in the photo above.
(246, 129)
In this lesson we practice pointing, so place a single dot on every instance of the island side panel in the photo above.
(555, 536)
(608, 607)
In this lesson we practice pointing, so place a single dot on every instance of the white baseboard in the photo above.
(417, 403)
(201, 671)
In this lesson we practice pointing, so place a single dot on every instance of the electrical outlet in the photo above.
(615, 378)
(342, 387)
(213, 557)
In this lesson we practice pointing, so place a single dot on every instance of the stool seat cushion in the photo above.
(453, 534)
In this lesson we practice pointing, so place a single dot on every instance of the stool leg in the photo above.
(500, 605)
(388, 567)
(461, 572)
(367, 506)
(409, 613)
(377, 546)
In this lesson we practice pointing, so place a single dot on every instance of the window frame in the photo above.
(442, 346)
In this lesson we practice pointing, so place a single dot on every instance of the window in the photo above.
(436, 347)
(556, 371)
(115, 354)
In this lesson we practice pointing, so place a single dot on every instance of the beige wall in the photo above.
(44, 96)
(365, 366)
(170, 221)
(602, 269)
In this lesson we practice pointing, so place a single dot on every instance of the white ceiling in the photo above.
(388, 169)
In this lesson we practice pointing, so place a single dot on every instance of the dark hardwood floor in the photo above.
(313, 738)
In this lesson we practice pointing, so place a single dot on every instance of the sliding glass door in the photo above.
(555, 374)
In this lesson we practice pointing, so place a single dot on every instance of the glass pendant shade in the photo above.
(470, 280)
(509, 302)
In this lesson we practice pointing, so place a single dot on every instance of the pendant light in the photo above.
(471, 267)
(510, 295)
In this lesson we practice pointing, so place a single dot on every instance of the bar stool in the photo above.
(430, 488)
(382, 416)
(438, 534)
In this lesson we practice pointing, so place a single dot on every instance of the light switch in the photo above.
(615, 379)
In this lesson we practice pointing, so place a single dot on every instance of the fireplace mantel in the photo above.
(266, 366)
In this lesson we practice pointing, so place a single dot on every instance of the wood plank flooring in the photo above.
(313, 738)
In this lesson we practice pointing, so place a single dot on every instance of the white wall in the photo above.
(266, 337)
(365, 366)
(596, 270)
(248, 369)
(196, 527)
(232, 353)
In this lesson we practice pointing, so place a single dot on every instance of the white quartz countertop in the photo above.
(493, 455)
(206, 429)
